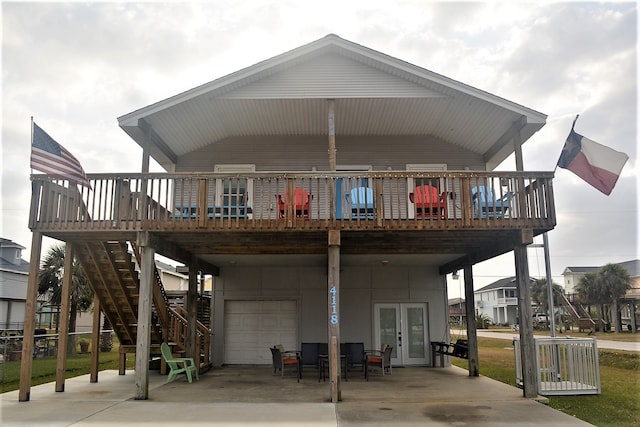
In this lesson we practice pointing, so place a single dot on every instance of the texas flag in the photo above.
(597, 164)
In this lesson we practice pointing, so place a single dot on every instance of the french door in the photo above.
(403, 326)
(232, 192)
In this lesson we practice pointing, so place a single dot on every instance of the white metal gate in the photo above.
(565, 366)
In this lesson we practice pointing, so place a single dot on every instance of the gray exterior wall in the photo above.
(360, 289)
(302, 153)
(13, 294)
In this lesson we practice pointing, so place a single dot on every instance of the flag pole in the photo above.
(574, 121)
(563, 147)
(547, 266)
(31, 146)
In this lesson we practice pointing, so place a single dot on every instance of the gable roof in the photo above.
(506, 283)
(21, 268)
(632, 267)
(579, 270)
(375, 94)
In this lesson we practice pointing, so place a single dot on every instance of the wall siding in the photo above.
(360, 288)
(288, 153)
(332, 76)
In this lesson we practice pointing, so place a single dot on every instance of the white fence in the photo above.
(565, 366)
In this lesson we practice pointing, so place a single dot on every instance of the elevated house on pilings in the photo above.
(329, 190)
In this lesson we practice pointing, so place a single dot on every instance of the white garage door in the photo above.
(251, 327)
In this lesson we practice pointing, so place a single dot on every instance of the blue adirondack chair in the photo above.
(486, 205)
(362, 202)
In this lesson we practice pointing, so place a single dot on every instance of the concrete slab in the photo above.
(233, 396)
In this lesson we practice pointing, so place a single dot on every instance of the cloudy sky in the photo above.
(76, 67)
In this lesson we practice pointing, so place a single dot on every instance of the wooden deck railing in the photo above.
(300, 200)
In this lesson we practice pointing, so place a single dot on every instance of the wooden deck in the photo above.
(241, 213)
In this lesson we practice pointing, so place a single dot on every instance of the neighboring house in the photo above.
(457, 311)
(629, 304)
(14, 272)
(329, 191)
(171, 279)
(572, 276)
(499, 301)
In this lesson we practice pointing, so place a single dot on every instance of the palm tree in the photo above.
(540, 294)
(615, 282)
(50, 282)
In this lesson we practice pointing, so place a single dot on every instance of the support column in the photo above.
(192, 315)
(333, 303)
(517, 146)
(143, 333)
(28, 332)
(95, 341)
(332, 133)
(63, 332)
(217, 340)
(527, 345)
(146, 150)
(472, 335)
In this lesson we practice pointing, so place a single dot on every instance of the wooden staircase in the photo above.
(112, 272)
(116, 283)
(578, 314)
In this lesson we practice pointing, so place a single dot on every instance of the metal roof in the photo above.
(632, 267)
(506, 283)
(375, 95)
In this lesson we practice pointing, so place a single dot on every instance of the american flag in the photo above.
(52, 158)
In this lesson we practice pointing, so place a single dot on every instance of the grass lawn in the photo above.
(44, 370)
(618, 405)
(611, 336)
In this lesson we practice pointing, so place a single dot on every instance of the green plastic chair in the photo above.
(188, 365)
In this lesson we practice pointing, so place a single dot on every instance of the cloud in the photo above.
(76, 67)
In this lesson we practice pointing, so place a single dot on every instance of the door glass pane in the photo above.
(388, 330)
(233, 191)
(415, 329)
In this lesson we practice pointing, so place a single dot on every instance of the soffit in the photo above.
(375, 95)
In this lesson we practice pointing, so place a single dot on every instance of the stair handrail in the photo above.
(574, 313)
(178, 333)
(160, 299)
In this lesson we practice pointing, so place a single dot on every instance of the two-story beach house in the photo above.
(328, 190)
(630, 304)
(13, 285)
(498, 301)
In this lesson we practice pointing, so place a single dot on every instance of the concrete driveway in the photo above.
(238, 396)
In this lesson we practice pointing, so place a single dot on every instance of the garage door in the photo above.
(251, 327)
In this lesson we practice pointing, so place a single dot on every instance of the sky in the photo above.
(75, 67)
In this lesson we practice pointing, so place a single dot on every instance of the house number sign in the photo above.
(334, 306)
